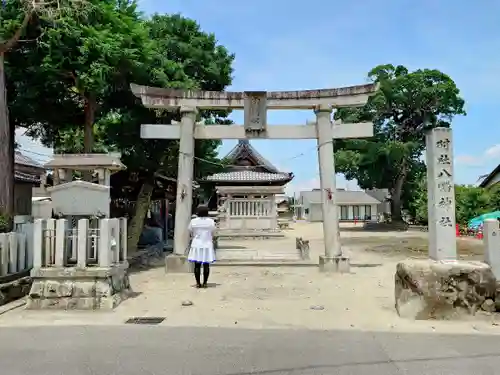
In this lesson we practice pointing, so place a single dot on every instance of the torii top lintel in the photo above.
(352, 96)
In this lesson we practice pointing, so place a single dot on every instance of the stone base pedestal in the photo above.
(90, 288)
(336, 264)
(427, 289)
(175, 263)
(15, 289)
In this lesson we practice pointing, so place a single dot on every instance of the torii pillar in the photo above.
(184, 198)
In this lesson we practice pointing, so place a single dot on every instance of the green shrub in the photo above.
(4, 224)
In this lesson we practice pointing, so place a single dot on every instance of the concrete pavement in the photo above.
(138, 350)
(255, 320)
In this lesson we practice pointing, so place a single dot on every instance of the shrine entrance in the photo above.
(255, 106)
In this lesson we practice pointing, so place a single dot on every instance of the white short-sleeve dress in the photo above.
(202, 246)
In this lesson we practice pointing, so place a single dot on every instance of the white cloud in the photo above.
(493, 151)
(490, 154)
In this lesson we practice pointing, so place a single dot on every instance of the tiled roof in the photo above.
(26, 177)
(244, 147)
(24, 160)
(248, 175)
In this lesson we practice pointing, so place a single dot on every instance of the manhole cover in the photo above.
(145, 320)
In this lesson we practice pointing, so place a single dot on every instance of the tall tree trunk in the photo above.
(396, 193)
(7, 134)
(6, 152)
(88, 130)
(137, 222)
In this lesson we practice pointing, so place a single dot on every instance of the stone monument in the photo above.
(441, 195)
(442, 287)
(80, 259)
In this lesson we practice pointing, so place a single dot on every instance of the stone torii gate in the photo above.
(255, 105)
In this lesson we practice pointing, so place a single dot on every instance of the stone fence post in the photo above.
(123, 239)
(104, 246)
(491, 241)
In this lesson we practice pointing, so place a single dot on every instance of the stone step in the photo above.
(265, 263)
(246, 254)
(222, 233)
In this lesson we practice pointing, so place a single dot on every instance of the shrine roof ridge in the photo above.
(240, 95)
(244, 146)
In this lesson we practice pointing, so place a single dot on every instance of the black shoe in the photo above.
(198, 286)
(204, 285)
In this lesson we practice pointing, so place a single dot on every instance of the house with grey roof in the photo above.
(489, 180)
(27, 174)
(384, 197)
(353, 205)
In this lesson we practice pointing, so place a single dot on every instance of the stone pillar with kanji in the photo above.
(441, 194)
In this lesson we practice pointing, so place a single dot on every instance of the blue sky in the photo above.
(293, 45)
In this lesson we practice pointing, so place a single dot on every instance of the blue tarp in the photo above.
(478, 221)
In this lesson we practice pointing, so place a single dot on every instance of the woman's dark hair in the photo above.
(202, 211)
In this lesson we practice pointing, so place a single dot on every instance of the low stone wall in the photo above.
(426, 289)
(16, 260)
(11, 290)
(229, 234)
(93, 288)
(145, 258)
(79, 268)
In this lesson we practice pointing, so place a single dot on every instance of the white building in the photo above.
(353, 205)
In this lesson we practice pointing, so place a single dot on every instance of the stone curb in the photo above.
(12, 305)
(229, 263)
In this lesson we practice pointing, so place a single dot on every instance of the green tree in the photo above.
(91, 51)
(417, 204)
(165, 51)
(406, 105)
(16, 17)
(184, 57)
(470, 201)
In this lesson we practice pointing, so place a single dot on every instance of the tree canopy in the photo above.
(470, 202)
(70, 86)
(406, 105)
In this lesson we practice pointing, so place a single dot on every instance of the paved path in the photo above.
(140, 350)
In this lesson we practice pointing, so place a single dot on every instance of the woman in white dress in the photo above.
(201, 251)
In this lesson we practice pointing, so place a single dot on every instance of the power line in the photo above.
(258, 165)
(297, 156)
(36, 153)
